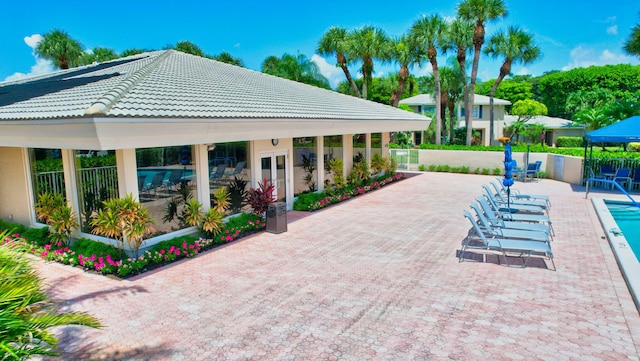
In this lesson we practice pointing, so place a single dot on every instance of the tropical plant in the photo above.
(298, 68)
(406, 52)
(452, 90)
(125, 220)
(60, 48)
(98, 55)
(334, 42)
(237, 194)
(132, 51)
(378, 164)
(212, 222)
(336, 168)
(525, 110)
(63, 222)
(479, 12)
(47, 204)
(222, 200)
(309, 167)
(459, 37)
(366, 44)
(259, 198)
(359, 173)
(26, 311)
(515, 46)
(429, 33)
(192, 212)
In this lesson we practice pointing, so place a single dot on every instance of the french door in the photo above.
(273, 168)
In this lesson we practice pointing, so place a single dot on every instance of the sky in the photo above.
(570, 33)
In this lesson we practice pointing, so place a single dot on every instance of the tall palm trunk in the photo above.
(478, 40)
(342, 61)
(444, 98)
(436, 77)
(367, 69)
(504, 70)
(462, 57)
(452, 118)
(403, 75)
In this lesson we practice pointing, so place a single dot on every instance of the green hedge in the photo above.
(569, 142)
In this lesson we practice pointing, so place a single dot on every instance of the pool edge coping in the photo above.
(626, 259)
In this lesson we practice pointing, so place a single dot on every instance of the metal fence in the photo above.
(101, 181)
(592, 166)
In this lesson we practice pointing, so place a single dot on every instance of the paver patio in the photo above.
(374, 278)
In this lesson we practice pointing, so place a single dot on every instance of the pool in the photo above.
(147, 174)
(621, 237)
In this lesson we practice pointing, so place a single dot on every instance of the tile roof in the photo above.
(171, 84)
(548, 122)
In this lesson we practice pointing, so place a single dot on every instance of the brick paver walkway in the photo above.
(374, 278)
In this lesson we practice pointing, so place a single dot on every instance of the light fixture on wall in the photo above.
(275, 141)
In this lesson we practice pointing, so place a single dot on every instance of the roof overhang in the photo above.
(107, 133)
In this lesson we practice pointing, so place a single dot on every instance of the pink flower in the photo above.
(162, 251)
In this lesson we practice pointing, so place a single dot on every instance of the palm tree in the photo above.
(632, 45)
(27, 313)
(459, 37)
(479, 12)
(60, 48)
(334, 42)
(515, 46)
(366, 44)
(429, 32)
(226, 57)
(404, 51)
(189, 48)
(98, 55)
(452, 89)
(298, 68)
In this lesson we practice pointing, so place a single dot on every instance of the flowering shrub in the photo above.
(106, 262)
(315, 201)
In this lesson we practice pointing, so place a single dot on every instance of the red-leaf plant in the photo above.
(259, 198)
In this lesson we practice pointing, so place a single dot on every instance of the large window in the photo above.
(46, 172)
(376, 143)
(229, 167)
(359, 147)
(305, 171)
(97, 180)
(166, 179)
(332, 149)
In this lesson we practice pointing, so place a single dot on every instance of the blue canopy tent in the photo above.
(624, 131)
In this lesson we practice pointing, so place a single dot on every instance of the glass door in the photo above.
(274, 170)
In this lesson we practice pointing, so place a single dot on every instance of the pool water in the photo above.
(627, 216)
(148, 173)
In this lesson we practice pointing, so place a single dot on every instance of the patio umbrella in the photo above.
(508, 176)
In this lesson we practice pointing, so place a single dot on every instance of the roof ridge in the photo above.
(104, 103)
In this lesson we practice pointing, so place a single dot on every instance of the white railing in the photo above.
(92, 180)
(405, 158)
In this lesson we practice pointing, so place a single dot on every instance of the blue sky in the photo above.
(571, 33)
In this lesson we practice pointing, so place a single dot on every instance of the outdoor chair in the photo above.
(623, 176)
(237, 170)
(502, 232)
(513, 200)
(516, 221)
(519, 247)
(141, 179)
(216, 175)
(513, 206)
(175, 177)
(157, 182)
(532, 171)
(516, 193)
(606, 171)
(635, 181)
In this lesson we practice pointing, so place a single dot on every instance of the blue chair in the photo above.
(635, 181)
(216, 175)
(623, 176)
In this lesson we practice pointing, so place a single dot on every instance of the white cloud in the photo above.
(582, 57)
(42, 66)
(612, 30)
(523, 71)
(331, 72)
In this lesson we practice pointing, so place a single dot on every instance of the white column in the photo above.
(385, 144)
(127, 169)
(347, 154)
(320, 161)
(367, 147)
(201, 155)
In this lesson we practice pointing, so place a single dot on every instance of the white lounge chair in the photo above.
(522, 221)
(515, 193)
(502, 232)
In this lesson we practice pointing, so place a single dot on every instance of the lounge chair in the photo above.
(516, 193)
(513, 206)
(523, 248)
(157, 182)
(175, 177)
(623, 176)
(635, 181)
(517, 221)
(502, 196)
(216, 175)
(237, 170)
(503, 232)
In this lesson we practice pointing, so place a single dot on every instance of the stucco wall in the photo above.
(14, 191)
(564, 168)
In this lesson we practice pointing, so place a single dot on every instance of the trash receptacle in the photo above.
(277, 217)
